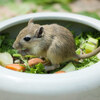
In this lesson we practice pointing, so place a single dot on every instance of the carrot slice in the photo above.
(15, 67)
(35, 61)
(58, 72)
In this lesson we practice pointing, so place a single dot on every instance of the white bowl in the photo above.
(83, 84)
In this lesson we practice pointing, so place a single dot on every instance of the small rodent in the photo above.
(52, 41)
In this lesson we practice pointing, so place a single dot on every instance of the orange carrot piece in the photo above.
(58, 72)
(15, 67)
(35, 61)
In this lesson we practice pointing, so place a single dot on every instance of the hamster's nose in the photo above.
(13, 45)
(17, 45)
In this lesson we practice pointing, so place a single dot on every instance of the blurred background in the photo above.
(11, 8)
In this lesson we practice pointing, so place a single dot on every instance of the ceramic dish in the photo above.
(83, 84)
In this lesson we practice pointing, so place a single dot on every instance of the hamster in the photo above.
(53, 41)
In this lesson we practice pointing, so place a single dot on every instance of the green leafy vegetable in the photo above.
(87, 42)
(79, 51)
(81, 39)
(87, 62)
(39, 69)
(6, 44)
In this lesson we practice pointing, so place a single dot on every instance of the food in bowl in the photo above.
(85, 42)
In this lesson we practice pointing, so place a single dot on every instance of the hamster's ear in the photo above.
(30, 25)
(30, 21)
(40, 32)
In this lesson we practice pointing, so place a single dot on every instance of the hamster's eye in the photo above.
(27, 38)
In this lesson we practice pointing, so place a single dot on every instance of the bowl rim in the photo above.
(92, 22)
(29, 83)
